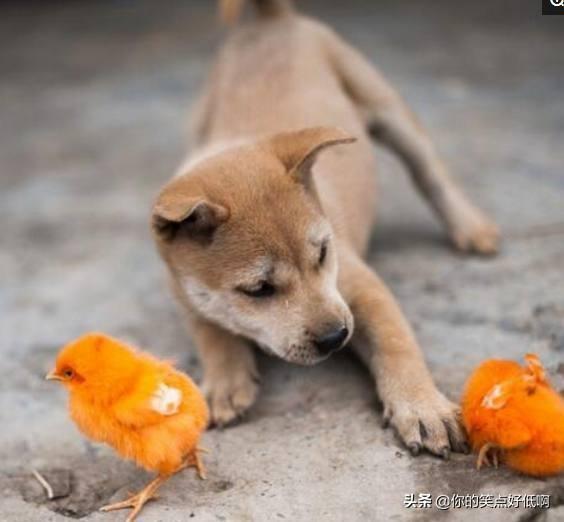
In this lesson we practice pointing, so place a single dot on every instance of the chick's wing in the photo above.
(149, 402)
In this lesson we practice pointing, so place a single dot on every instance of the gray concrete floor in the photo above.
(93, 103)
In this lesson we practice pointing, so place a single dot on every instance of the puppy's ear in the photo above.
(298, 150)
(196, 216)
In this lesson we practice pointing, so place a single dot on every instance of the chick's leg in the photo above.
(138, 500)
(194, 460)
(484, 458)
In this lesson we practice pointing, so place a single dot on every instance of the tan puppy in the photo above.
(265, 227)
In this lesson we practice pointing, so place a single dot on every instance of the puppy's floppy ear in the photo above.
(298, 150)
(194, 214)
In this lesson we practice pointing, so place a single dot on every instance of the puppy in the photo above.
(264, 228)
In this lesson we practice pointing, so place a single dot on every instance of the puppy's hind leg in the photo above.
(392, 123)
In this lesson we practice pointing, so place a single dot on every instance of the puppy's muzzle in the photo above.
(331, 341)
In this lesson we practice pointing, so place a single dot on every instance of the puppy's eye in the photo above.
(264, 289)
(322, 254)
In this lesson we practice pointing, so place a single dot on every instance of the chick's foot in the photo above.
(486, 451)
(138, 500)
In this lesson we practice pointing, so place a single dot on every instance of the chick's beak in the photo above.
(53, 376)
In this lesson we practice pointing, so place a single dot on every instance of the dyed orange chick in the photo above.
(513, 415)
(142, 407)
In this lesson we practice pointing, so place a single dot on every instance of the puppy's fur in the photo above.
(265, 226)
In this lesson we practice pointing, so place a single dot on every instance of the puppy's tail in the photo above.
(230, 10)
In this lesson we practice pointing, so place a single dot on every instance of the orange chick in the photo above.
(142, 407)
(513, 415)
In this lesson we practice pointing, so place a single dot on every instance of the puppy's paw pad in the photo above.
(229, 400)
(431, 424)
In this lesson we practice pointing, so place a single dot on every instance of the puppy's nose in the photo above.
(332, 341)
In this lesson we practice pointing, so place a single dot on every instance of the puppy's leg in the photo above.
(421, 415)
(390, 121)
(230, 371)
(202, 111)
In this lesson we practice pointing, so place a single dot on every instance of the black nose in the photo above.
(332, 341)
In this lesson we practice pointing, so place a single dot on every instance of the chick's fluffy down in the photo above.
(119, 396)
(528, 427)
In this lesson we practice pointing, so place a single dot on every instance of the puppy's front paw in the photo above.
(230, 395)
(476, 233)
(431, 423)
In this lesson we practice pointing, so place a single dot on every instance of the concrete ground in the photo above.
(93, 101)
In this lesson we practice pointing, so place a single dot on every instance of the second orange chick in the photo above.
(144, 408)
(512, 414)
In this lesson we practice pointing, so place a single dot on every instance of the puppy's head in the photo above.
(249, 248)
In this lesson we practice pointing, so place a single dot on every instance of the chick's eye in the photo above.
(322, 254)
(264, 289)
(68, 373)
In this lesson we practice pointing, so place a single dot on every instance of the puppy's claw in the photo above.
(456, 437)
(430, 423)
(445, 453)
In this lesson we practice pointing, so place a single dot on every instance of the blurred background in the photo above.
(94, 106)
